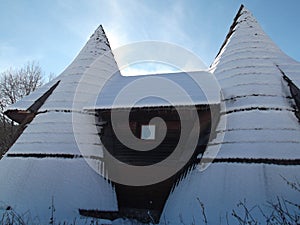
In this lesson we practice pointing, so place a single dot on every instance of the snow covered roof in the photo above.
(50, 158)
(260, 113)
(260, 145)
(96, 53)
(181, 89)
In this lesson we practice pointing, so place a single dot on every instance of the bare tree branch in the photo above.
(14, 85)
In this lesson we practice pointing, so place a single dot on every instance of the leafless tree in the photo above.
(17, 83)
(14, 85)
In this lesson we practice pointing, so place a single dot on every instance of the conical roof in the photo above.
(48, 160)
(255, 95)
(259, 146)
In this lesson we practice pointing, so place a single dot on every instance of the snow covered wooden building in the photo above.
(259, 148)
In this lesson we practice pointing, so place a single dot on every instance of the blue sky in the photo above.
(53, 32)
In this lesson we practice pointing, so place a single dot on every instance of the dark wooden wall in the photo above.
(138, 201)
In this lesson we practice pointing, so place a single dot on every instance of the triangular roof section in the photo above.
(259, 146)
(47, 160)
(97, 46)
(247, 69)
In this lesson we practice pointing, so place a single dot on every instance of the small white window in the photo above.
(148, 132)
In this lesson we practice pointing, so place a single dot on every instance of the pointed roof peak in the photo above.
(237, 19)
(245, 32)
(100, 27)
(89, 56)
(245, 15)
(242, 11)
(99, 37)
(98, 32)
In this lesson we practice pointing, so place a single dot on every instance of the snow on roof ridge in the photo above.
(243, 21)
(230, 31)
(252, 85)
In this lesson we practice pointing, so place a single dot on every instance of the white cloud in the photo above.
(147, 68)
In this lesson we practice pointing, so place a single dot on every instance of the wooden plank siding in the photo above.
(138, 201)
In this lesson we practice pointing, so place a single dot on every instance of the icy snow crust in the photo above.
(28, 183)
(261, 123)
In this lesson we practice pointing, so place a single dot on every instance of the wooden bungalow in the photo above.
(146, 202)
(69, 134)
